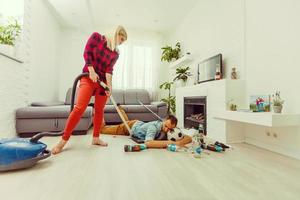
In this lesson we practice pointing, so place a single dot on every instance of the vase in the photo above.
(277, 109)
(260, 107)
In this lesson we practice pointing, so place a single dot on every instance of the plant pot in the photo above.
(277, 109)
(180, 83)
(173, 59)
(7, 49)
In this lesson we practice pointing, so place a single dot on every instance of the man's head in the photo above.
(169, 123)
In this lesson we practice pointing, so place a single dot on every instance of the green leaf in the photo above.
(168, 52)
(9, 32)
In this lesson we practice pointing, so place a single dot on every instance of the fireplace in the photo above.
(195, 113)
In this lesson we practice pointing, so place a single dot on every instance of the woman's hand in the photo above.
(108, 77)
(94, 76)
(108, 93)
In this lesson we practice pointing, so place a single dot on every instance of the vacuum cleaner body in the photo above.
(18, 153)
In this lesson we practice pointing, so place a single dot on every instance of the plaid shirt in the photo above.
(98, 55)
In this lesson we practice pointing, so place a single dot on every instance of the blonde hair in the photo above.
(121, 31)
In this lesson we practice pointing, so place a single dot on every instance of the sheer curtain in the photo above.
(137, 67)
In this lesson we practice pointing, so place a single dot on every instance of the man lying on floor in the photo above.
(154, 133)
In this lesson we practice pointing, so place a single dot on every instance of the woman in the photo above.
(100, 55)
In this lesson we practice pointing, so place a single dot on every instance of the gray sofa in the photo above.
(52, 116)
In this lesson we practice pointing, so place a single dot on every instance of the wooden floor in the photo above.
(84, 171)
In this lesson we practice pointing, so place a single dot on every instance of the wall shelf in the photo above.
(12, 58)
(260, 118)
(181, 61)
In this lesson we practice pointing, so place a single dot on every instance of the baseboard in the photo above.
(235, 141)
(284, 150)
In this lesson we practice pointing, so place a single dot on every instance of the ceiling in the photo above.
(151, 15)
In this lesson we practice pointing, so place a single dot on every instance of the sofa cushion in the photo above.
(158, 103)
(139, 108)
(48, 112)
(109, 109)
(118, 95)
(133, 96)
(48, 103)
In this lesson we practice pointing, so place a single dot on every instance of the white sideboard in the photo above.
(268, 119)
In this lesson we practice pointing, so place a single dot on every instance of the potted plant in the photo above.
(231, 105)
(277, 102)
(169, 54)
(8, 35)
(182, 74)
(170, 100)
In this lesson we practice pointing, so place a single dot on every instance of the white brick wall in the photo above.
(35, 79)
(13, 93)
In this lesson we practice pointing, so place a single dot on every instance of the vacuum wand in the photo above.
(106, 88)
(156, 115)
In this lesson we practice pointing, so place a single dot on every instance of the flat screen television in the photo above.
(207, 68)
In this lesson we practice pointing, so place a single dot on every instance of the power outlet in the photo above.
(267, 133)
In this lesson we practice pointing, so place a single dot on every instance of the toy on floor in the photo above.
(199, 139)
(175, 134)
(224, 146)
(175, 148)
(212, 147)
(196, 150)
(134, 148)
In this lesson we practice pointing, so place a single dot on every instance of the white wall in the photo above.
(44, 36)
(73, 42)
(212, 27)
(272, 48)
(35, 79)
(260, 38)
(70, 59)
(13, 93)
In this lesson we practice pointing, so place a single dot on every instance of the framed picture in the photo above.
(260, 103)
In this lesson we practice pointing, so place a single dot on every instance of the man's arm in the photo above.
(158, 143)
(164, 143)
(185, 140)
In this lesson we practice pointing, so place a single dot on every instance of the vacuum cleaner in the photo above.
(20, 153)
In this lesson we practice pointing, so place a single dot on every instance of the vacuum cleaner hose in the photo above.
(74, 88)
(36, 138)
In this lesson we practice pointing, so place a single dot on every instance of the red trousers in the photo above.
(86, 89)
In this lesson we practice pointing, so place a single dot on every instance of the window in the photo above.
(11, 8)
(11, 22)
(136, 67)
